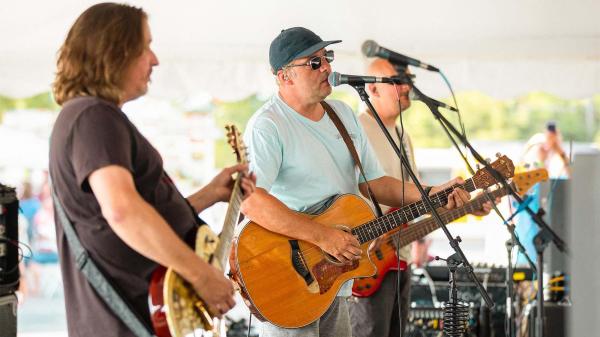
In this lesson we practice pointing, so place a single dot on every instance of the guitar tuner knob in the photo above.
(498, 155)
(488, 160)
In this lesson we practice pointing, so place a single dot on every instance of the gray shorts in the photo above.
(334, 323)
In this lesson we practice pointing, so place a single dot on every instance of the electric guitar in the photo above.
(385, 258)
(291, 283)
(175, 307)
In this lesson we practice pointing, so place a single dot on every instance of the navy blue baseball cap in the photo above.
(294, 43)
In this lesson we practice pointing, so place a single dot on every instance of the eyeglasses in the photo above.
(315, 62)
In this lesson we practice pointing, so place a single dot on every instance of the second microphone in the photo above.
(336, 79)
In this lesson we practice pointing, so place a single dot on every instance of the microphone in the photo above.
(370, 48)
(336, 79)
(416, 95)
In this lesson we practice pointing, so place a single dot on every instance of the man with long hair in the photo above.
(126, 211)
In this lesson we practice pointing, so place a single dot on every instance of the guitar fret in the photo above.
(389, 225)
(389, 222)
(386, 224)
(381, 223)
(420, 229)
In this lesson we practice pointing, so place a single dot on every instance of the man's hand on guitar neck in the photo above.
(457, 198)
(486, 208)
(220, 187)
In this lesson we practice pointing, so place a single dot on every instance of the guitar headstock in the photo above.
(504, 166)
(234, 139)
(525, 180)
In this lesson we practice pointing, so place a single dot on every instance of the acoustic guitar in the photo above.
(385, 258)
(291, 283)
(175, 307)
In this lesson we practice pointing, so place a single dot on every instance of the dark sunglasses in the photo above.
(315, 62)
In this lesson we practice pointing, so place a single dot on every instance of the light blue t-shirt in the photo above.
(304, 163)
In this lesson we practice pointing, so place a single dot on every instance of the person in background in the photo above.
(544, 150)
(378, 314)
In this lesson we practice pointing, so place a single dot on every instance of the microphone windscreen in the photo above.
(334, 79)
(369, 48)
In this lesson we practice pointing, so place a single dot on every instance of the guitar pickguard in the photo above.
(206, 245)
(326, 273)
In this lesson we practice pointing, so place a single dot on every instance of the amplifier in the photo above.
(483, 272)
(555, 318)
(9, 238)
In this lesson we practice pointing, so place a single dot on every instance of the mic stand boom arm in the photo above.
(454, 242)
(545, 235)
(510, 227)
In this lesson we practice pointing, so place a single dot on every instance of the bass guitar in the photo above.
(175, 307)
(385, 258)
(291, 283)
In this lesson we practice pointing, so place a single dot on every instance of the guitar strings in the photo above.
(417, 230)
(415, 207)
(316, 251)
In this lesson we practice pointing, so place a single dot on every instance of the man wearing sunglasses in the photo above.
(302, 163)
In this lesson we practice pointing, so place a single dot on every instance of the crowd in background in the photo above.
(36, 230)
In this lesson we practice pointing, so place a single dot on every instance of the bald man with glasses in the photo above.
(302, 164)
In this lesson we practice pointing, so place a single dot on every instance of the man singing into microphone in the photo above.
(302, 163)
(377, 315)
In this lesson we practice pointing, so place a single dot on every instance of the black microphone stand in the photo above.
(545, 235)
(510, 227)
(454, 242)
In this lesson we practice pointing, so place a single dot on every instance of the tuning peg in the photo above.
(498, 155)
(477, 166)
(488, 160)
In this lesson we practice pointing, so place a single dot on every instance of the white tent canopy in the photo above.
(220, 48)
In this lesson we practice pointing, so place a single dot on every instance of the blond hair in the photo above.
(99, 47)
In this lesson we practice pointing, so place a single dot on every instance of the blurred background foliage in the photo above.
(484, 117)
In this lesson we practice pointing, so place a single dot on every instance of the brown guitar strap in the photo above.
(342, 129)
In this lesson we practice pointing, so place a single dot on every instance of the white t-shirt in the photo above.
(388, 158)
(304, 163)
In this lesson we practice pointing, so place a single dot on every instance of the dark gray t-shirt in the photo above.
(89, 134)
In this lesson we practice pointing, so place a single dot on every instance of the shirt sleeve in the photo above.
(265, 152)
(100, 137)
